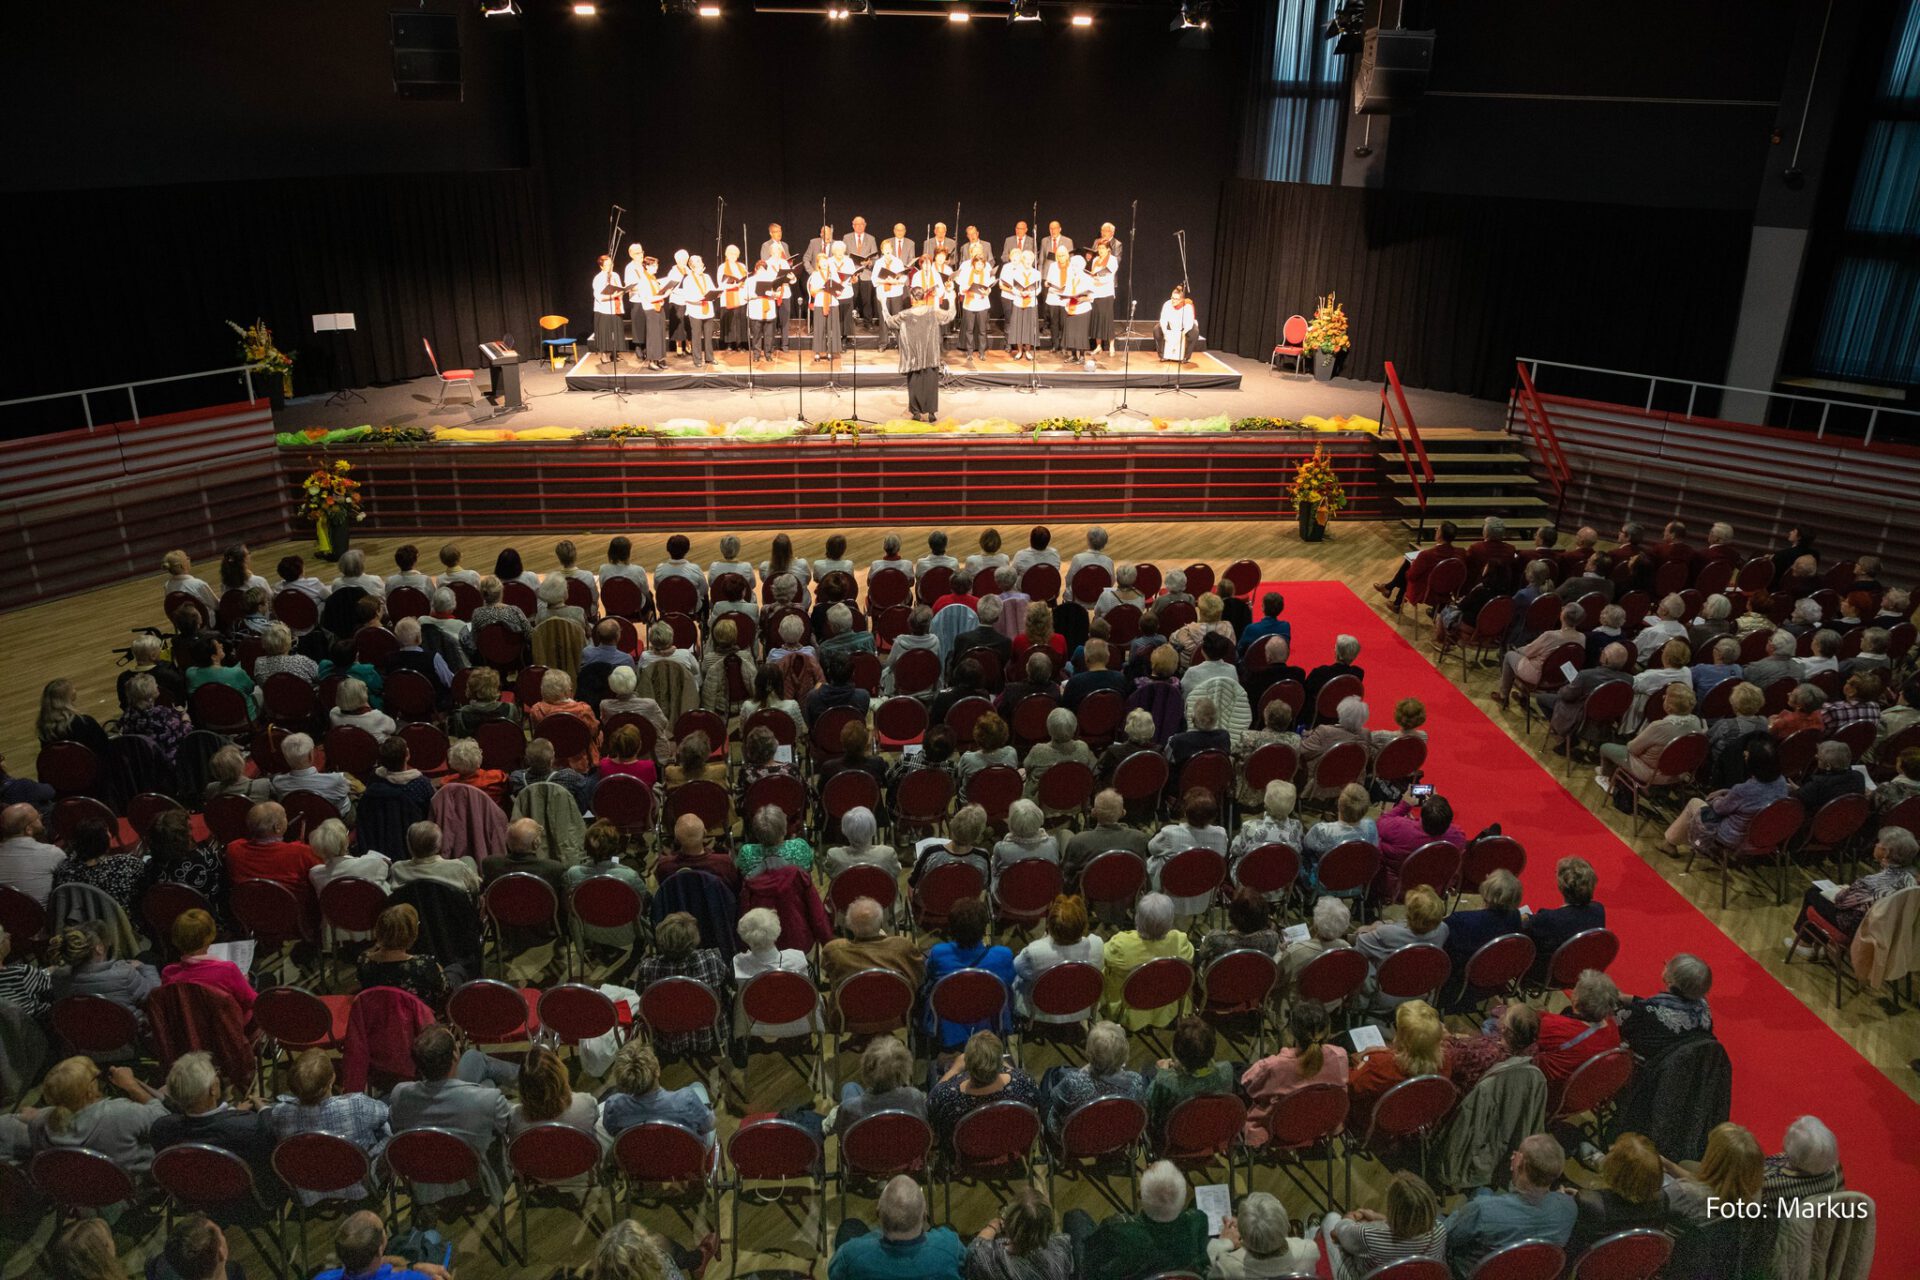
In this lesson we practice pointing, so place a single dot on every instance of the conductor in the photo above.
(918, 328)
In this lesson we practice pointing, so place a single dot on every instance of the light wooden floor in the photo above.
(74, 637)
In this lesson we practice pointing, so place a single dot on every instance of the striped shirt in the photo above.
(24, 986)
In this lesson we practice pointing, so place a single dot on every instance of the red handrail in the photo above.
(1540, 426)
(1402, 436)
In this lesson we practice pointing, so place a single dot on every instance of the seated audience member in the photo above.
(1191, 1072)
(1199, 828)
(759, 931)
(1725, 665)
(694, 762)
(758, 750)
(1092, 674)
(77, 1114)
(396, 796)
(1021, 1243)
(869, 946)
(1721, 819)
(1038, 636)
(331, 843)
(301, 775)
(1274, 728)
(424, 862)
(389, 960)
(1249, 928)
(769, 829)
(1586, 1030)
(1803, 712)
(1202, 734)
(1270, 623)
(27, 862)
(1257, 1241)
(1152, 937)
(1165, 1235)
(196, 1248)
(483, 704)
(917, 637)
(1665, 675)
(146, 656)
(1779, 664)
(1275, 824)
(553, 602)
(1349, 725)
(1418, 1048)
(1105, 1074)
(1611, 630)
(458, 1092)
(266, 854)
(856, 756)
(1326, 931)
(981, 1074)
(80, 963)
(1808, 1164)
(886, 1070)
(1893, 852)
(1350, 822)
(1308, 1059)
(1027, 838)
(1533, 1210)
(678, 953)
(360, 1244)
(1832, 777)
(227, 776)
(1641, 756)
(1721, 1224)
(1037, 681)
(1650, 1025)
(1667, 625)
(538, 765)
(1107, 831)
(1873, 656)
(353, 709)
(1409, 824)
(207, 664)
(1279, 668)
(838, 691)
(1425, 925)
(1826, 654)
(23, 984)
(192, 934)
(1528, 664)
(1189, 640)
(556, 698)
(968, 946)
(93, 861)
(858, 826)
(312, 1106)
(1345, 650)
(1628, 1197)
(991, 749)
(1551, 927)
(1123, 591)
(1497, 916)
(692, 851)
(904, 1246)
(605, 647)
(1137, 735)
(1063, 744)
(147, 717)
(201, 1114)
(1365, 1240)
(966, 832)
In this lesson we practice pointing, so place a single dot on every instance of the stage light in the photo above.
(1348, 28)
(585, 10)
(500, 8)
(1082, 19)
(1023, 11)
(835, 15)
(959, 15)
(709, 10)
(1194, 15)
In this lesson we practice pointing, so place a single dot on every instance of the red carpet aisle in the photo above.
(1786, 1061)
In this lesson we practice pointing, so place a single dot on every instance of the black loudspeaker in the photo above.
(426, 53)
(1393, 71)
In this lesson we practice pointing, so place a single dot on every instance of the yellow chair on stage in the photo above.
(555, 345)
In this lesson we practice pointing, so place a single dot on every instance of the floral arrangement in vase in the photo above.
(257, 349)
(1317, 494)
(331, 499)
(1327, 331)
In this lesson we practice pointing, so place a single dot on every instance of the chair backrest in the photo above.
(606, 902)
(1774, 825)
(968, 996)
(1308, 1115)
(1332, 976)
(267, 910)
(219, 707)
(1588, 949)
(1294, 332)
(885, 1143)
(924, 795)
(934, 583)
(625, 801)
(1102, 1127)
(1025, 890)
(1089, 580)
(1113, 877)
(522, 900)
(1839, 820)
(848, 790)
(1681, 757)
(1417, 970)
(1157, 983)
(1193, 873)
(1626, 1255)
(1412, 1106)
(1343, 763)
(1596, 1082)
(707, 799)
(20, 915)
(872, 1001)
(1526, 1260)
(351, 749)
(1239, 981)
(996, 1135)
(78, 1178)
(409, 695)
(1211, 771)
(1435, 864)
(1488, 854)
(294, 1017)
(352, 904)
(488, 1012)
(994, 789)
(965, 713)
(770, 1149)
(1067, 990)
(1041, 581)
(659, 1151)
(943, 886)
(94, 1025)
(1400, 759)
(777, 997)
(678, 1006)
(1348, 865)
(1268, 868)
(1203, 1127)
(431, 1155)
(1500, 962)
(203, 1178)
(1412, 1268)
(574, 1012)
(1141, 775)
(162, 904)
(552, 1153)
(916, 671)
(321, 1164)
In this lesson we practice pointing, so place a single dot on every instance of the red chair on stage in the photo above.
(1293, 340)
(449, 377)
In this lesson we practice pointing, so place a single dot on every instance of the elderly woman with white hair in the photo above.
(353, 573)
(1327, 930)
(621, 701)
(1349, 725)
(1123, 591)
(331, 842)
(277, 656)
(1096, 553)
(1274, 824)
(1166, 1235)
(1808, 1164)
(552, 595)
(859, 826)
(1349, 822)
(964, 842)
(661, 648)
(1665, 624)
(1104, 1074)
(1202, 734)
(1258, 1240)
(1027, 837)
(1805, 618)
(147, 717)
(759, 931)
(917, 637)
(1715, 620)
(885, 1084)
(1894, 851)
(1650, 1025)
(890, 558)
(354, 708)
(556, 698)
(1826, 653)
(1274, 726)
(1063, 744)
(1136, 735)
(1152, 937)
(1173, 590)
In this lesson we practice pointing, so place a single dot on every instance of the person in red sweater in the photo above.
(1586, 1030)
(267, 855)
(1409, 580)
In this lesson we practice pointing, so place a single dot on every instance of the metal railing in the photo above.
(1690, 398)
(246, 372)
(1546, 441)
(1392, 394)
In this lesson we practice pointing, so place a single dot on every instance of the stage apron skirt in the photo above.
(1023, 326)
(1102, 322)
(607, 333)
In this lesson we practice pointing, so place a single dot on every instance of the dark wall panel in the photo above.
(1453, 288)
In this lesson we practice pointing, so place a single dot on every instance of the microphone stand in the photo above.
(1133, 240)
(618, 390)
(1126, 368)
(1033, 364)
(1186, 339)
(752, 388)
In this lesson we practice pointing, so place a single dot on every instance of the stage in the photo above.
(796, 368)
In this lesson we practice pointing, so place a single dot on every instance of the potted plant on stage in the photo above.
(1327, 336)
(331, 499)
(274, 366)
(1317, 495)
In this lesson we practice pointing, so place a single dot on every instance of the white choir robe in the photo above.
(1176, 322)
(1017, 280)
(973, 275)
(845, 272)
(636, 292)
(894, 288)
(1101, 279)
(692, 294)
(1059, 289)
(616, 305)
(934, 281)
(822, 292)
(733, 277)
(766, 306)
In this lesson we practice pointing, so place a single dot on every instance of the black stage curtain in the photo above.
(121, 285)
(1453, 288)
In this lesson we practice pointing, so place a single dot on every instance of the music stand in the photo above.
(336, 323)
(1126, 368)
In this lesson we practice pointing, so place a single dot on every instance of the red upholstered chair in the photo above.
(1765, 840)
(20, 915)
(995, 789)
(1409, 1111)
(449, 377)
(1089, 580)
(521, 901)
(573, 1012)
(1236, 986)
(1024, 891)
(430, 1157)
(779, 1158)
(923, 799)
(1147, 579)
(1112, 880)
(1070, 990)
(993, 1143)
(1419, 970)
(878, 1148)
(75, 1180)
(858, 882)
(1500, 964)
(871, 1002)
(491, 1012)
(1591, 1087)
(1065, 788)
(1268, 869)
(1193, 873)
(1332, 976)
(1293, 339)
(1099, 1135)
(668, 1157)
(679, 1006)
(95, 1026)
(1527, 1260)
(296, 1019)
(1588, 949)
(1626, 1255)
(1157, 984)
(969, 997)
(548, 1161)
(1201, 1131)
(940, 888)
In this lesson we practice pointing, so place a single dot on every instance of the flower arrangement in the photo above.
(1264, 424)
(330, 497)
(625, 431)
(257, 349)
(399, 435)
(1327, 331)
(1316, 488)
(1079, 426)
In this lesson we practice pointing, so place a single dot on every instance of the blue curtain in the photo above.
(1299, 93)
(1870, 326)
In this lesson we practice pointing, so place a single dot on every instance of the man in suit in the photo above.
(1345, 650)
(1573, 561)
(861, 248)
(972, 234)
(526, 852)
(939, 242)
(819, 247)
(1491, 560)
(1053, 242)
(457, 1093)
(1276, 670)
(1565, 707)
(1720, 546)
(1673, 547)
(1021, 240)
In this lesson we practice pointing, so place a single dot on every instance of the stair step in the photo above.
(1476, 458)
(1497, 505)
(1464, 478)
(1519, 531)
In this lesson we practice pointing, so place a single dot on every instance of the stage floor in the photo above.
(870, 368)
